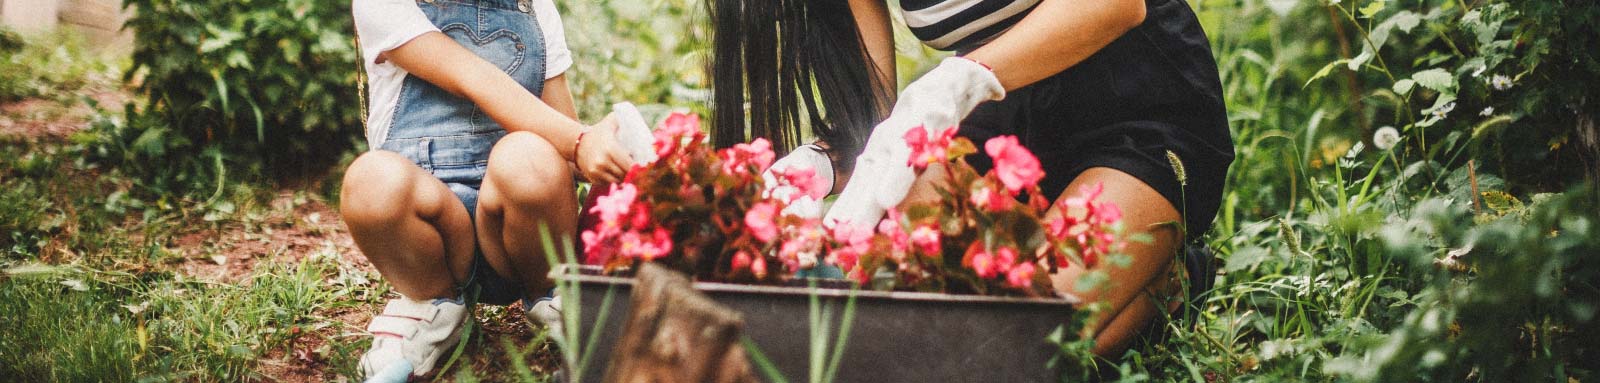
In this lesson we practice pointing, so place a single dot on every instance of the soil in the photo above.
(53, 120)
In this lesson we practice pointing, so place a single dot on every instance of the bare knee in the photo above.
(525, 170)
(378, 187)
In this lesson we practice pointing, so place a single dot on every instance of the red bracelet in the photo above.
(980, 63)
(577, 144)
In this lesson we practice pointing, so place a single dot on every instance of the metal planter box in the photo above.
(895, 337)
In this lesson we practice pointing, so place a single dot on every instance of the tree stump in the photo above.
(675, 334)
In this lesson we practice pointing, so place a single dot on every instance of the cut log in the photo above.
(675, 334)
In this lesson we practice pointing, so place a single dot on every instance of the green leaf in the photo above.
(1437, 79)
(1405, 20)
(1404, 86)
(1324, 71)
(1373, 8)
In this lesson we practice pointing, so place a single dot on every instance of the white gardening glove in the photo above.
(633, 133)
(802, 157)
(938, 100)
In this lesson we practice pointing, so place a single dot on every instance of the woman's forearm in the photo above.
(437, 59)
(1055, 36)
(877, 36)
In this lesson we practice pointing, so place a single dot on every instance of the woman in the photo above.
(1109, 92)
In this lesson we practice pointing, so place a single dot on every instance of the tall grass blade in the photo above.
(762, 363)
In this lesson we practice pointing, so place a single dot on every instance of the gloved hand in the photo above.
(938, 100)
(633, 133)
(802, 157)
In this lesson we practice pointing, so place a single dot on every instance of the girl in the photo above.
(474, 139)
(1101, 91)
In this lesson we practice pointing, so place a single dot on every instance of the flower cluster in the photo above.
(706, 212)
(712, 214)
(988, 234)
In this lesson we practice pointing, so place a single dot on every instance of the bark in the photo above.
(675, 334)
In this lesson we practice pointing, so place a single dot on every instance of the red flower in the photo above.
(927, 150)
(760, 221)
(741, 260)
(1016, 166)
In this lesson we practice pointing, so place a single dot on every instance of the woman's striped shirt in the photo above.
(962, 24)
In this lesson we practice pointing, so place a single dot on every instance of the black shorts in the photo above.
(1153, 91)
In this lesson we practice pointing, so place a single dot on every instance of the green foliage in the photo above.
(649, 52)
(1513, 299)
(53, 66)
(273, 84)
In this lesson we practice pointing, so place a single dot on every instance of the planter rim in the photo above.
(575, 273)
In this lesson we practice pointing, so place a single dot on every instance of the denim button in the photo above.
(525, 5)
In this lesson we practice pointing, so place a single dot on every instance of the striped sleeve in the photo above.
(962, 24)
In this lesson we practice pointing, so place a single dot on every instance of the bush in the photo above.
(273, 84)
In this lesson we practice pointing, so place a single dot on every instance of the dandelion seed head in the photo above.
(1385, 138)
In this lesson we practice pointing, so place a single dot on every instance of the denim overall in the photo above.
(449, 136)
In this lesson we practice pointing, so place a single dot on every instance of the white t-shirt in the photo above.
(382, 25)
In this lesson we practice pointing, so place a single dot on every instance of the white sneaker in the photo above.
(409, 336)
(544, 312)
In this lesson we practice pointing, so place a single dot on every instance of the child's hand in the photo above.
(600, 156)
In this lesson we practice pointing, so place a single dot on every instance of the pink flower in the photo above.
(739, 159)
(597, 246)
(927, 150)
(890, 227)
(926, 239)
(1016, 166)
(646, 248)
(988, 199)
(983, 264)
(1090, 233)
(760, 221)
(806, 181)
(616, 203)
(1021, 275)
(759, 267)
(673, 130)
(852, 242)
(1005, 258)
(801, 246)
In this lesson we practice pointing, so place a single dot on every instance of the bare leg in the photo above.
(408, 224)
(1129, 296)
(528, 185)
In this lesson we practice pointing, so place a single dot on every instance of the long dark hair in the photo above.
(795, 63)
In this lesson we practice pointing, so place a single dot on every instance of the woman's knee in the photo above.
(378, 186)
(525, 169)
